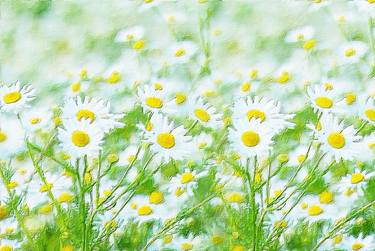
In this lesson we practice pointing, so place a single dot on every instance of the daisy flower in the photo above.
(95, 110)
(367, 110)
(355, 181)
(80, 138)
(145, 208)
(312, 210)
(151, 99)
(336, 140)
(299, 34)
(250, 139)
(15, 98)
(187, 181)
(266, 111)
(204, 114)
(179, 105)
(35, 119)
(185, 244)
(128, 155)
(203, 140)
(181, 52)
(12, 137)
(359, 243)
(130, 34)
(321, 98)
(368, 148)
(352, 52)
(167, 142)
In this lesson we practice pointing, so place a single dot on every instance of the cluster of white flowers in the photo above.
(177, 134)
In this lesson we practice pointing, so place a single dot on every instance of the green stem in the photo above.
(342, 224)
(43, 179)
(177, 219)
(15, 209)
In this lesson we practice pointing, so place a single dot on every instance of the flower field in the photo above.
(161, 125)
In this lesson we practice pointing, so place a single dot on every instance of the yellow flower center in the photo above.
(348, 192)
(255, 113)
(277, 192)
(179, 192)
(148, 126)
(165, 140)
(253, 73)
(337, 239)
(12, 97)
(138, 44)
(300, 36)
(356, 178)
(282, 158)
(315, 210)
(280, 224)
(65, 197)
(186, 246)
(45, 209)
(350, 98)
(323, 102)
(208, 93)
(202, 145)
(216, 31)
(370, 114)
(350, 52)
(304, 205)
(158, 86)
(250, 138)
(144, 210)
(129, 36)
(75, 87)
(235, 197)
(9, 230)
(112, 158)
(5, 247)
(318, 126)
(301, 157)
(3, 136)
(357, 246)
(180, 98)
(154, 102)
(341, 19)
(309, 44)
(336, 140)
(133, 205)
(80, 138)
(325, 197)
(35, 121)
(186, 178)
(202, 115)
(217, 239)
(179, 52)
(238, 248)
(371, 1)
(245, 87)
(167, 239)
(3, 212)
(22, 171)
(156, 197)
(283, 78)
(328, 86)
(131, 157)
(45, 187)
(12, 184)
(148, 1)
(86, 114)
(114, 77)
